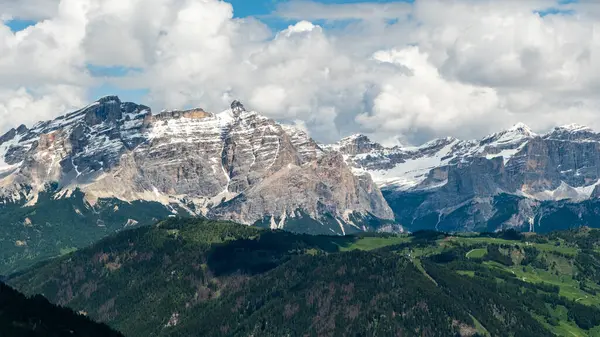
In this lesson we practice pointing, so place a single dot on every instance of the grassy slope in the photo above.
(557, 252)
(370, 243)
(561, 275)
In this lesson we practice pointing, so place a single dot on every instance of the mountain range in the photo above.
(112, 165)
(511, 179)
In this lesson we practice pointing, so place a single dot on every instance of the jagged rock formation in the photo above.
(514, 178)
(235, 165)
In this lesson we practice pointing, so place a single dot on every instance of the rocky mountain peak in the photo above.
(12, 133)
(9, 135)
(237, 108)
(574, 127)
(522, 128)
(109, 99)
(515, 135)
(196, 113)
(22, 129)
(355, 138)
(438, 142)
(357, 144)
(107, 108)
(573, 132)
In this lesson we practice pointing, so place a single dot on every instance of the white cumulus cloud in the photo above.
(395, 71)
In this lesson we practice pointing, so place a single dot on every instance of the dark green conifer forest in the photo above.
(194, 277)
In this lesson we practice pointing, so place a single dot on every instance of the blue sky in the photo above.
(18, 25)
(243, 8)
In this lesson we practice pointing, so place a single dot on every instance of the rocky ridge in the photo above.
(234, 165)
(443, 176)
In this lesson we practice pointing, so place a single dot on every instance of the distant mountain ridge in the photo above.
(512, 178)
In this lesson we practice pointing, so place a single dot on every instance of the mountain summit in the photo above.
(235, 165)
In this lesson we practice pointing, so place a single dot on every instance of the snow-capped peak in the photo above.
(522, 129)
(573, 132)
(574, 127)
(108, 98)
(437, 142)
(515, 135)
(356, 144)
(353, 138)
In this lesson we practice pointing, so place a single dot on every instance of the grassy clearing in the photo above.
(477, 240)
(565, 327)
(569, 287)
(466, 272)
(476, 253)
(425, 251)
(562, 265)
(67, 250)
(419, 266)
(563, 248)
(370, 243)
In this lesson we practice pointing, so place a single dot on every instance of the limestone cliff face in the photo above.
(234, 165)
(325, 185)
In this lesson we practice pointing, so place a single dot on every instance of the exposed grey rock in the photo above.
(444, 174)
(10, 135)
(357, 144)
(234, 165)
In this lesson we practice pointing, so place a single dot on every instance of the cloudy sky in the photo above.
(402, 71)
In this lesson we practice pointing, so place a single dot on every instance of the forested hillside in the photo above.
(36, 317)
(198, 277)
(56, 226)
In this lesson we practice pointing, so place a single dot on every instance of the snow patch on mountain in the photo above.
(4, 148)
(413, 171)
(565, 191)
(574, 127)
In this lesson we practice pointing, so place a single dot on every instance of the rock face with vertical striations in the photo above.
(511, 179)
(235, 165)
